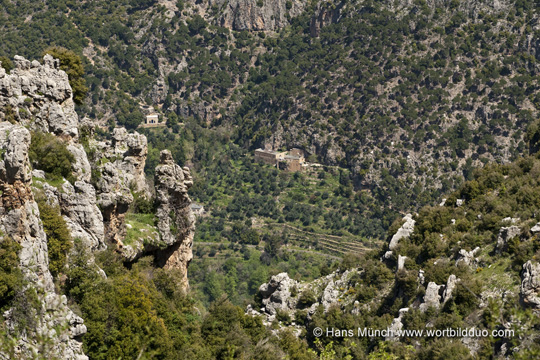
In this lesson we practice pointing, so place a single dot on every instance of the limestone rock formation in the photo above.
(80, 211)
(326, 14)
(39, 96)
(283, 293)
(176, 223)
(120, 164)
(438, 295)
(403, 232)
(276, 293)
(42, 91)
(114, 199)
(259, 15)
(505, 234)
(431, 297)
(467, 257)
(54, 322)
(396, 325)
(530, 284)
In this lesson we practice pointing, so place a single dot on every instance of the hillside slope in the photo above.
(407, 95)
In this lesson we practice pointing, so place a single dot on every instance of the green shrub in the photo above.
(71, 63)
(10, 275)
(307, 298)
(6, 63)
(50, 154)
(283, 316)
(58, 236)
(143, 205)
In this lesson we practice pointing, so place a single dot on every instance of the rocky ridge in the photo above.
(37, 97)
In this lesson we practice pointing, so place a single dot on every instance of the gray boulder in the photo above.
(403, 232)
(530, 284)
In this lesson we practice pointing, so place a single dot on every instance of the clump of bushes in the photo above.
(50, 154)
(10, 274)
(58, 236)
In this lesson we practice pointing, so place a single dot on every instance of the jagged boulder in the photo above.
(79, 209)
(276, 294)
(176, 223)
(438, 295)
(132, 150)
(467, 257)
(114, 198)
(403, 232)
(505, 234)
(432, 298)
(286, 294)
(451, 284)
(42, 91)
(530, 284)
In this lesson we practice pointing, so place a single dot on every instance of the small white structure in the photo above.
(152, 119)
(198, 210)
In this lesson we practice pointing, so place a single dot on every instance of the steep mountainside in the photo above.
(408, 95)
(52, 196)
(469, 263)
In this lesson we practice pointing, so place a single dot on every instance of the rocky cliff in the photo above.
(37, 98)
(53, 322)
(259, 14)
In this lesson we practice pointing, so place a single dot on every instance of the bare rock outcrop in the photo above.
(42, 91)
(403, 232)
(176, 223)
(276, 294)
(259, 15)
(54, 323)
(327, 13)
(79, 209)
(114, 199)
(467, 258)
(530, 284)
(438, 295)
(505, 234)
(39, 97)
(282, 293)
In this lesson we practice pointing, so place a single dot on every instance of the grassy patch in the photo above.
(142, 226)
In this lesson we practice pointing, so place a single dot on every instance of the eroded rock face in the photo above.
(80, 211)
(42, 91)
(505, 234)
(39, 97)
(467, 257)
(114, 199)
(325, 15)
(249, 15)
(176, 223)
(276, 293)
(530, 284)
(132, 150)
(120, 163)
(438, 295)
(431, 297)
(284, 294)
(54, 322)
(403, 232)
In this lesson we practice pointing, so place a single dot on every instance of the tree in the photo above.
(50, 154)
(71, 63)
(58, 236)
(6, 63)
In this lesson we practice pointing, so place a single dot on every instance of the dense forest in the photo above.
(407, 98)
